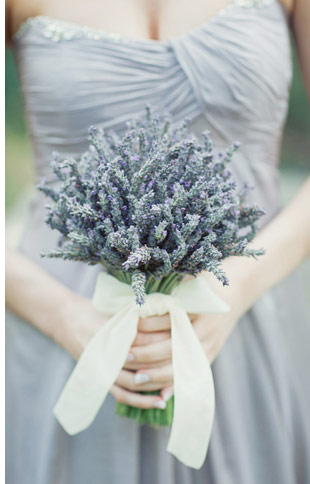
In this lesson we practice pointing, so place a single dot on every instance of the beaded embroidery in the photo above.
(56, 29)
(246, 4)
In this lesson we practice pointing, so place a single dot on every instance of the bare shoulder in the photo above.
(8, 15)
(288, 5)
(16, 12)
(301, 18)
(297, 5)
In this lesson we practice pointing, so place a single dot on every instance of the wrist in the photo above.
(66, 320)
(78, 322)
(245, 283)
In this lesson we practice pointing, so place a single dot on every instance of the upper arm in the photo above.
(300, 22)
(16, 12)
(8, 23)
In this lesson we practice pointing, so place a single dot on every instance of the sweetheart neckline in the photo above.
(102, 33)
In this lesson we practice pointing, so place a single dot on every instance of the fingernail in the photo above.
(130, 357)
(159, 404)
(141, 377)
(168, 395)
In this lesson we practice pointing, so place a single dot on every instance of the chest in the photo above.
(140, 19)
(235, 68)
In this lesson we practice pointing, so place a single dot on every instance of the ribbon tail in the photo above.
(194, 400)
(96, 370)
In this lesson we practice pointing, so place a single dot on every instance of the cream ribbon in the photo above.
(104, 356)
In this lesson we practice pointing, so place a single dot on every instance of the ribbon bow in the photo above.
(104, 356)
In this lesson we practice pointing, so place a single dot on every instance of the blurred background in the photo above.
(294, 165)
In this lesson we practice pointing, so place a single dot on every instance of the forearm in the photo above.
(36, 296)
(286, 240)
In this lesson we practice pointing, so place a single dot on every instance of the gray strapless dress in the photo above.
(231, 75)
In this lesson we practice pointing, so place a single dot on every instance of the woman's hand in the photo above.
(82, 321)
(248, 280)
(149, 366)
(151, 351)
(213, 330)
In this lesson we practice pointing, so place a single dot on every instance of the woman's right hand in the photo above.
(62, 315)
(81, 320)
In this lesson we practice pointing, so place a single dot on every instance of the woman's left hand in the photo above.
(151, 365)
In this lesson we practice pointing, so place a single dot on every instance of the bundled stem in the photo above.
(154, 417)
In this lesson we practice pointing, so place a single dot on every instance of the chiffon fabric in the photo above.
(231, 75)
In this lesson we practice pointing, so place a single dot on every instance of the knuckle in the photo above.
(144, 324)
(166, 334)
(132, 385)
(145, 356)
(119, 396)
(141, 338)
(132, 400)
(127, 380)
(167, 320)
(166, 377)
(157, 376)
(142, 355)
(163, 376)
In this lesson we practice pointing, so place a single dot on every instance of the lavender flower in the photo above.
(149, 204)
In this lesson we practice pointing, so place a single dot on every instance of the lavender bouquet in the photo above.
(151, 207)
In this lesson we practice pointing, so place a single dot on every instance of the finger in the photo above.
(150, 353)
(136, 399)
(162, 375)
(155, 323)
(143, 338)
(167, 392)
(129, 381)
(131, 365)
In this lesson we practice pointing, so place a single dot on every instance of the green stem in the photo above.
(154, 417)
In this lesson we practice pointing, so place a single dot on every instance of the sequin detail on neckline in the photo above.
(58, 29)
